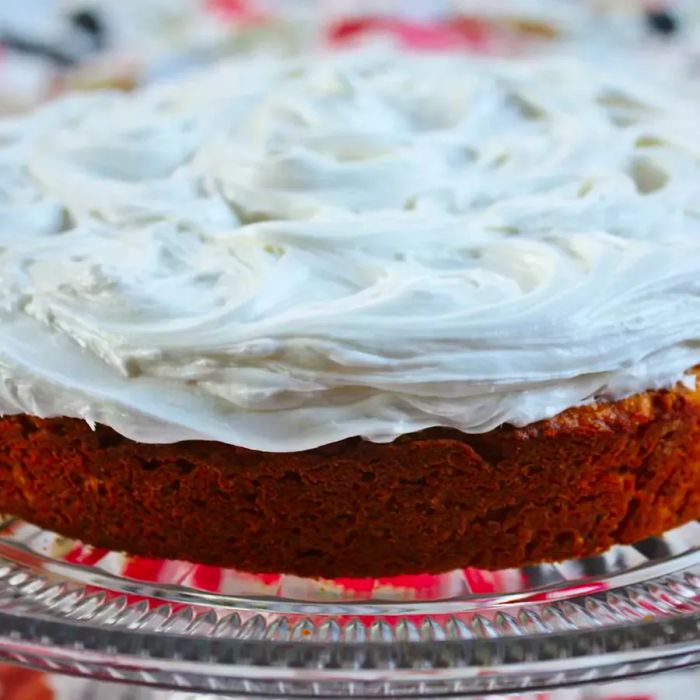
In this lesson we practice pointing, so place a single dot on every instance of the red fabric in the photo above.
(240, 11)
(455, 33)
(207, 578)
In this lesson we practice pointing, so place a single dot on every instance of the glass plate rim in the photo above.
(60, 631)
(292, 606)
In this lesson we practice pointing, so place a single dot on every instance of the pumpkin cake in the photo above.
(359, 315)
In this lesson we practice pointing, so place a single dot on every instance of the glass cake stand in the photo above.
(68, 608)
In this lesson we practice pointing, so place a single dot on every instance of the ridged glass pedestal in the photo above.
(68, 608)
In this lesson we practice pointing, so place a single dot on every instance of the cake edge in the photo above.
(432, 501)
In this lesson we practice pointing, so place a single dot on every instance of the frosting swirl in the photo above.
(281, 254)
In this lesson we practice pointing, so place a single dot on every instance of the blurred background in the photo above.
(48, 47)
(18, 684)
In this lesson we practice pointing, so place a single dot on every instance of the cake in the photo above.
(355, 315)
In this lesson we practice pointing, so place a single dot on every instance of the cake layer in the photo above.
(567, 487)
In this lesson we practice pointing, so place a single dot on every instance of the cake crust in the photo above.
(428, 502)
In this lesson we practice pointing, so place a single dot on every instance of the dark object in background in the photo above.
(90, 23)
(85, 34)
(53, 54)
(662, 22)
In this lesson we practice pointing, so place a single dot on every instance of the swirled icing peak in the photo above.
(281, 254)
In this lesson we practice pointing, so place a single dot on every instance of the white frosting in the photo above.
(281, 255)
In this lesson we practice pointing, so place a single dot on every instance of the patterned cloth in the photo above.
(142, 40)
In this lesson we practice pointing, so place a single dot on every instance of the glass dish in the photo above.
(69, 608)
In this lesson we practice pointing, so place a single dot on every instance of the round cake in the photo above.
(355, 315)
